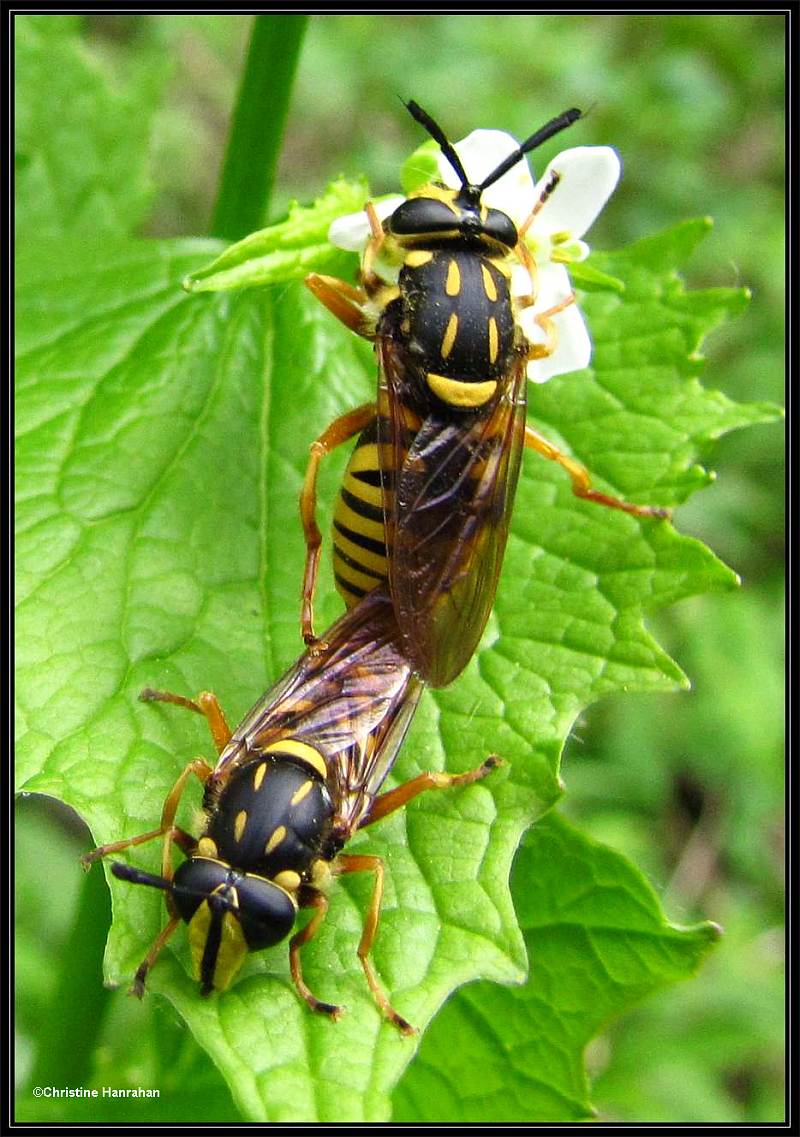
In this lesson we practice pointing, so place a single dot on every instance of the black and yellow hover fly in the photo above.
(295, 780)
(429, 493)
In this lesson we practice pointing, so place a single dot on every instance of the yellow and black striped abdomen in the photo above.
(359, 534)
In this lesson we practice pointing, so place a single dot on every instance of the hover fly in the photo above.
(446, 435)
(300, 774)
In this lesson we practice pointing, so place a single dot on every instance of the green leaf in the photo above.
(598, 942)
(81, 137)
(286, 251)
(588, 278)
(161, 448)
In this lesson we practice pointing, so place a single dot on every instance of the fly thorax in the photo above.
(274, 815)
(460, 323)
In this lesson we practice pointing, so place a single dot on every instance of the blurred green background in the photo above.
(689, 786)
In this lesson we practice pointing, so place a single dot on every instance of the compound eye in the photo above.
(266, 913)
(500, 227)
(421, 215)
(195, 880)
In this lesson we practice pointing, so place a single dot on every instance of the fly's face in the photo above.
(229, 914)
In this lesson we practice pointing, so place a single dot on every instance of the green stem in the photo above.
(257, 130)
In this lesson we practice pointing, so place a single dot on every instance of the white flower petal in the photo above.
(573, 348)
(352, 231)
(553, 286)
(481, 152)
(589, 175)
(521, 282)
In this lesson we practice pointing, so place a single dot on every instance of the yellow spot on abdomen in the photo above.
(452, 285)
(276, 838)
(418, 257)
(239, 824)
(489, 286)
(258, 776)
(494, 339)
(449, 336)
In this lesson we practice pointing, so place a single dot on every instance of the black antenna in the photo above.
(139, 876)
(555, 126)
(438, 135)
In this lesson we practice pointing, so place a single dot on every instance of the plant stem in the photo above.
(257, 129)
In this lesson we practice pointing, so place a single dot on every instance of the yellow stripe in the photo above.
(494, 339)
(298, 795)
(365, 457)
(489, 286)
(459, 394)
(373, 495)
(449, 336)
(352, 520)
(258, 776)
(452, 285)
(353, 576)
(368, 455)
(301, 751)
(372, 562)
(239, 824)
(276, 838)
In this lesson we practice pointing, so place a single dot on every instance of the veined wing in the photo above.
(449, 514)
(352, 701)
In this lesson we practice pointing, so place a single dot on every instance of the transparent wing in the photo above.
(453, 489)
(352, 700)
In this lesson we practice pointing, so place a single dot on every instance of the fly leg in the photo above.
(319, 901)
(395, 799)
(581, 482)
(205, 704)
(168, 830)
(171, 834)
(382, 806)
(339, 431)
(344, 301)
(345, 863)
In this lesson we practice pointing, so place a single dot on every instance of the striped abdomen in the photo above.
(359, 534)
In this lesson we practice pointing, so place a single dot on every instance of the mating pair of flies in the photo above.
(420, 528)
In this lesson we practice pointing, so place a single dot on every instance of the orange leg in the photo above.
(170, 832)
(345, 863)
(581, 483)
(179, 837)
(344, 301)
(137, 987)
(545, 322)
(320, 902)
(206, 704)
(395, 799)
(374, 246)
(340, 430)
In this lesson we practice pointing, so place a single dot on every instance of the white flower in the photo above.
(574, 188)
(352, 231)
